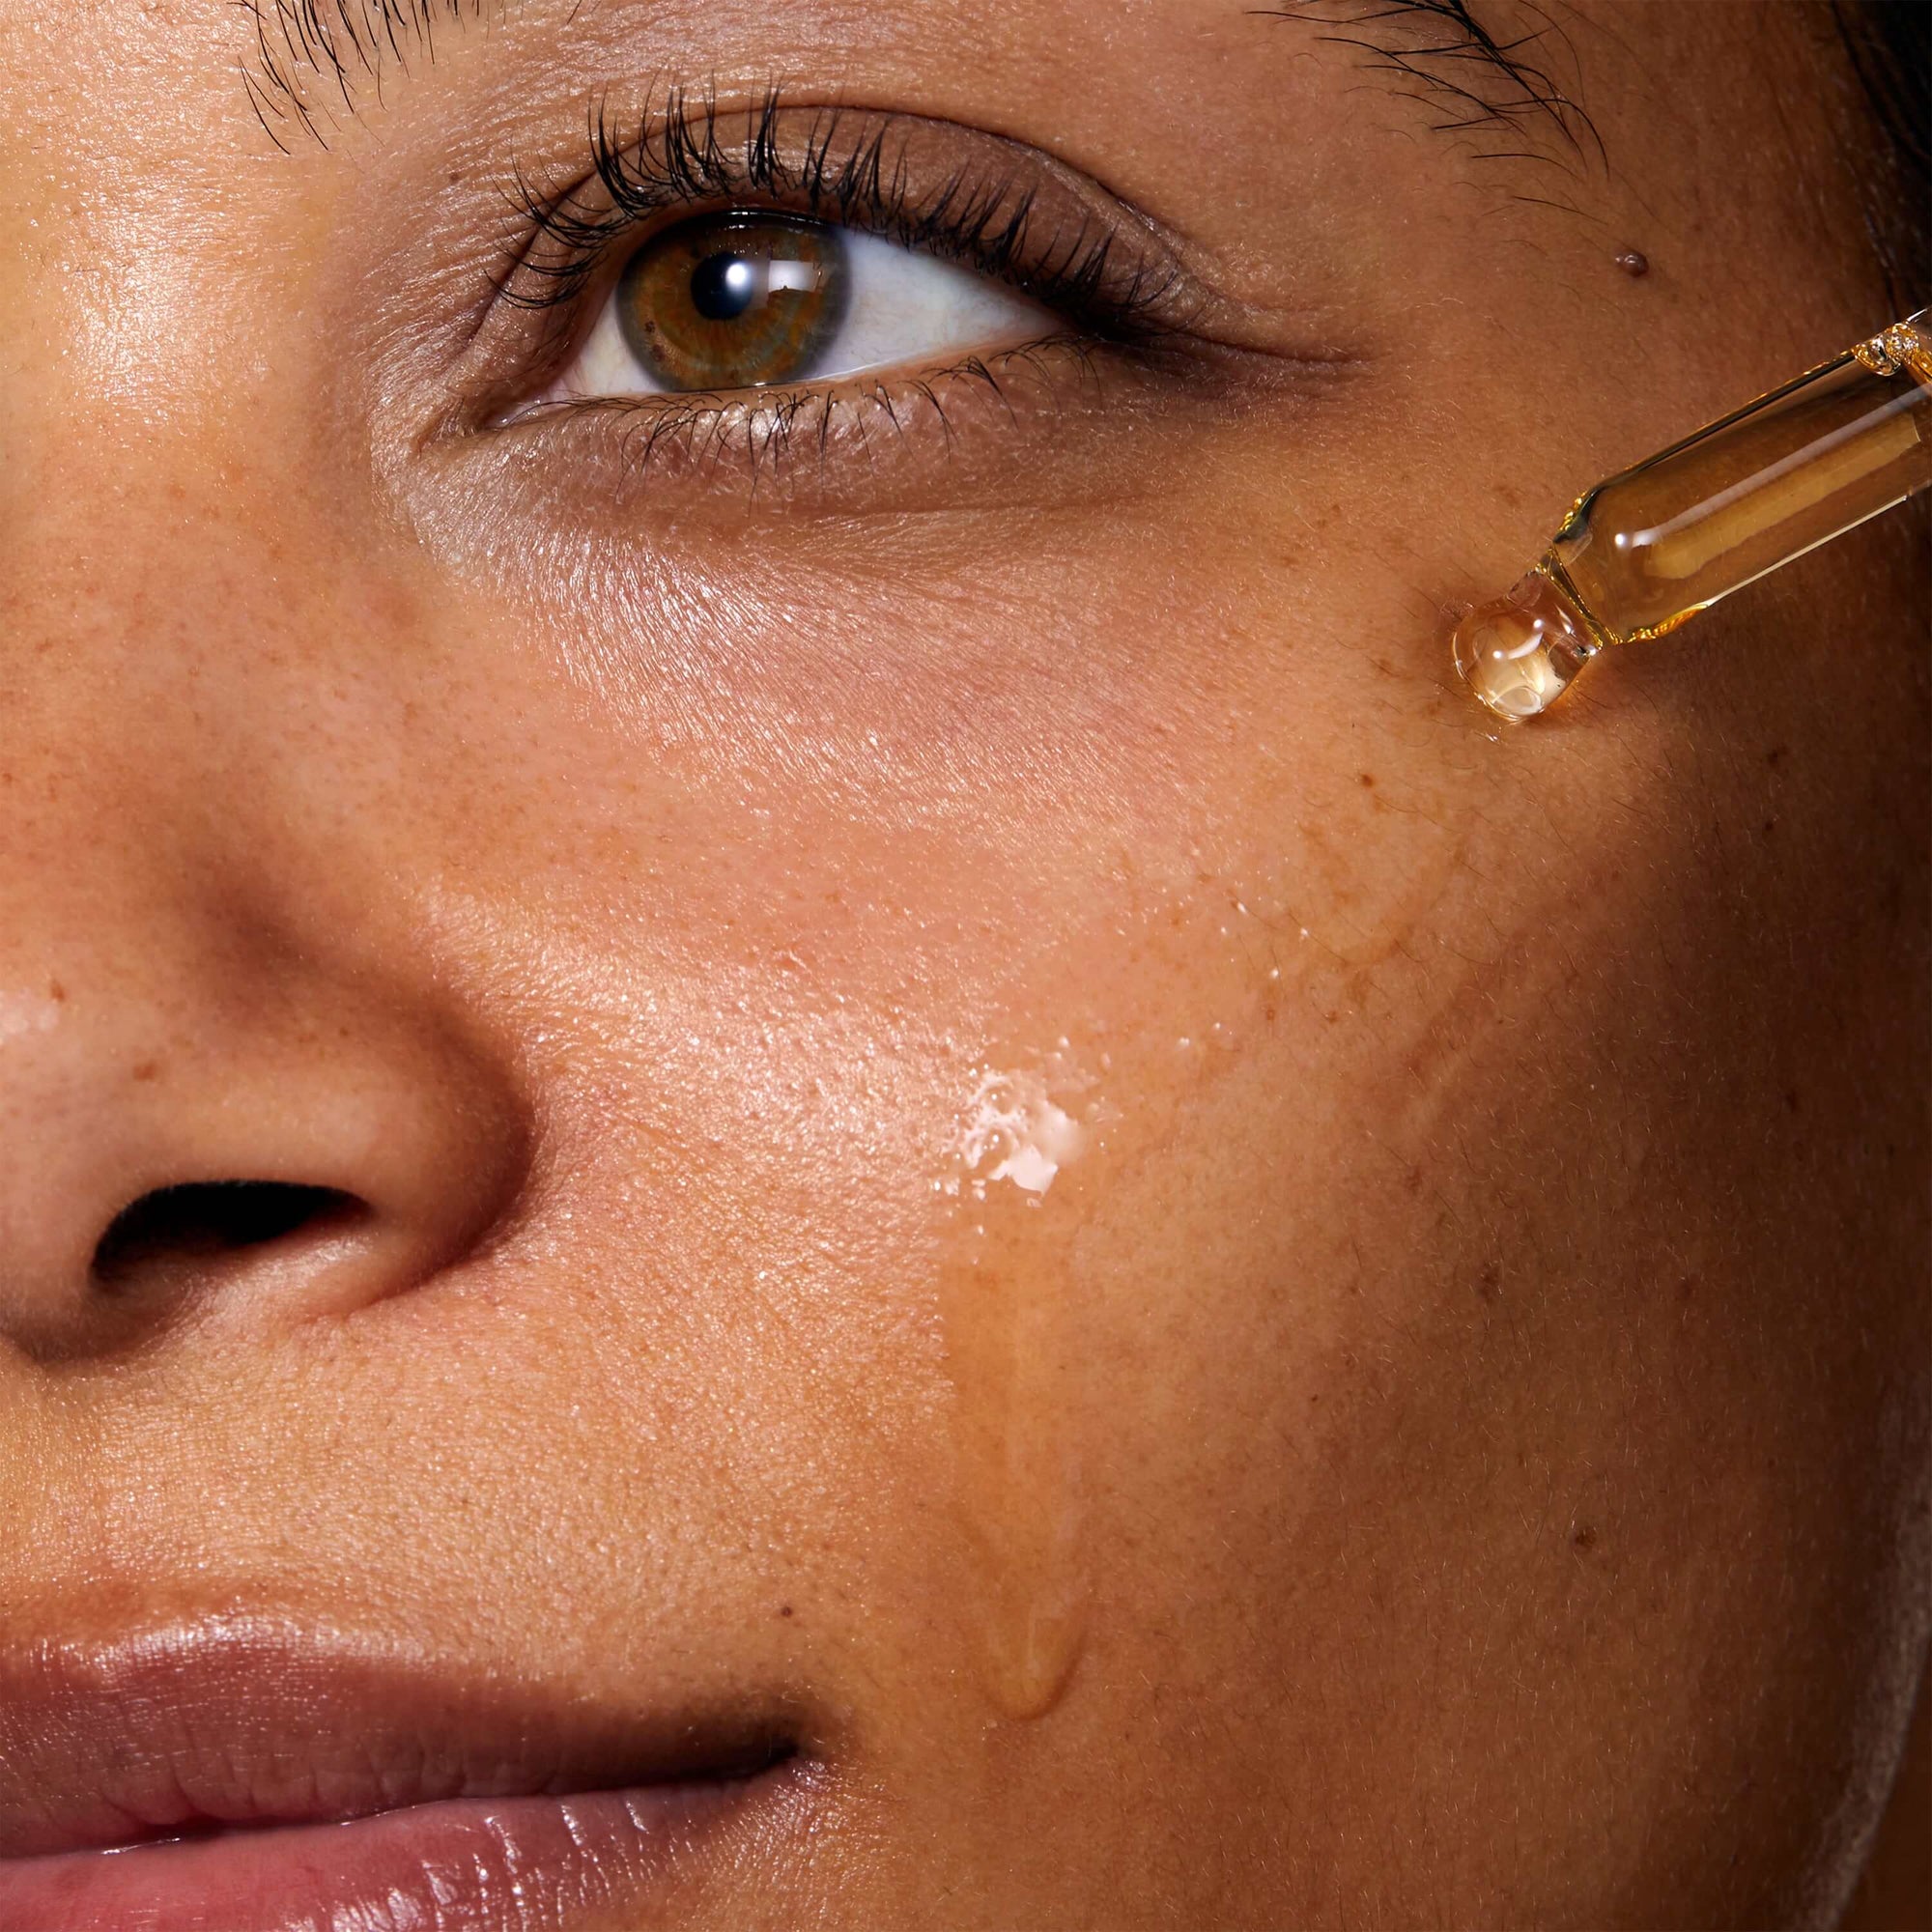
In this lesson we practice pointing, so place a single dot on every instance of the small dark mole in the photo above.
(785, 1610)
(1368, 781)
(1582, 1537)
(1775, 757)
(1791, 1099)
(1769, 826)
(1489, 1280)
(1687, 1287)
(57, 993)
(147, 1071)
(1632, 263)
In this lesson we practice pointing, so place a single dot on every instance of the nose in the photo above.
(207, 1128)
(241, 1089)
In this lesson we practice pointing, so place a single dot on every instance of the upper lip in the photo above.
(239, 1721)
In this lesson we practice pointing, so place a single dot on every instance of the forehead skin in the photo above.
(1457, 1408)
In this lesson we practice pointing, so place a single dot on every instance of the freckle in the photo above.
(1791, 1099)
(147, 1071)
(1687, 1287)
(1775, 757)
(1582, 1537)
(1489, 1280)
(1368, 781)
(57, 993)
(1632, 263)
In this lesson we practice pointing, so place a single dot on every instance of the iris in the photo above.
(731, 301)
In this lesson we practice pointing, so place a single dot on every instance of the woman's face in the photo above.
(927, 1107)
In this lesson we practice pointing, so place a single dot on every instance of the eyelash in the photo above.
(679, 161)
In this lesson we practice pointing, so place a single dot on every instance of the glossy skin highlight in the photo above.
(1463, 1386)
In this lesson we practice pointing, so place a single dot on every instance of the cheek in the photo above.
(1078, 1052)
(875, 887)
(904, 956)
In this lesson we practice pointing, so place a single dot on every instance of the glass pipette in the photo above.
(1652, 547)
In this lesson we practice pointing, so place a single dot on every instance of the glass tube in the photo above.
(1648, 549)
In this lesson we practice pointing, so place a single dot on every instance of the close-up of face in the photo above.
(796, 1127)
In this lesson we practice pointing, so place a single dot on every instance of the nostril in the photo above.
(196, 1227)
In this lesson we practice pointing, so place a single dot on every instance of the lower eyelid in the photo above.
(1042, 428)
(797, 435)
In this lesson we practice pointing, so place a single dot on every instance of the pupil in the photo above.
(723, 287)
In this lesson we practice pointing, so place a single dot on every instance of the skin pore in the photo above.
(1429, 1424)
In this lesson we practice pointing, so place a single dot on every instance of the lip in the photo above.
(250, 1776)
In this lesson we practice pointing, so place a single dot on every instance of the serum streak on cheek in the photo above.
(1011, 1329)
(1048, 1344)
(1038, 1345)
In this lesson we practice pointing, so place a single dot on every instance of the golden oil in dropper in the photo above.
(1648, 549)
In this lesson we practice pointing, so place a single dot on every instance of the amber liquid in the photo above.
(1653, 546)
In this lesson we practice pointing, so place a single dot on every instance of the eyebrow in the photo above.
(346, 45)
(1503, 95)
(1472, 82)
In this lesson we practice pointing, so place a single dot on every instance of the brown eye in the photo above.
(728, 301)
(745, 299)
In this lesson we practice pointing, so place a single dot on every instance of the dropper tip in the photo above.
(1521, 652)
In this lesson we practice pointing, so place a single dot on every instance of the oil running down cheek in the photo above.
(1049, 1311)
(1013, 1308)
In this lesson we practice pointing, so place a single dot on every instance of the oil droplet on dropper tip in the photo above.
(1521, 652)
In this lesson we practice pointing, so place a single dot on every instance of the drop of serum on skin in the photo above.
(1007, 1302)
